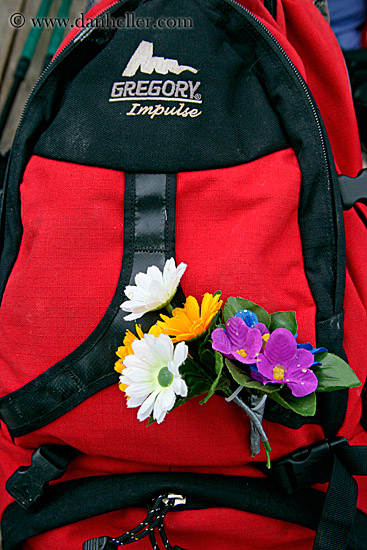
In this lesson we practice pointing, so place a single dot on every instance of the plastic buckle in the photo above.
(100, 543)
(353, 189)
(305, 466)
(27, 484)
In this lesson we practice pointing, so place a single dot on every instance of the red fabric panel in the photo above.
(240, 231)
(327, 77)
(64, 279)
(67, 268)
(356, 245)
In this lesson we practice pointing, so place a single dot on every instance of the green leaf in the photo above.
(207, 358)
(305, 406)
(334, 373)
(219, 363)
(233, 305)
(321, 356)
(240, 376)
(190, 366)
(284, 319)
(203, 344)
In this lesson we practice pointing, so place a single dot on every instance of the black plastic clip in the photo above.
(27, 484)
(353, 189)
(101, 543)
(305, 466)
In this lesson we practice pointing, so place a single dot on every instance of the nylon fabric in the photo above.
(76, 377)
(286, 252)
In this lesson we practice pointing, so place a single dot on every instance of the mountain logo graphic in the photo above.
(144, 60)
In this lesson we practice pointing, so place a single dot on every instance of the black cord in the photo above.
(156, 513)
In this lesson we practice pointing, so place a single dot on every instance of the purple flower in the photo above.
(283, 363)
(238, 341)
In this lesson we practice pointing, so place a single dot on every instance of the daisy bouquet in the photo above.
(236, 349)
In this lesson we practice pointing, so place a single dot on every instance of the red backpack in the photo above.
(231, 170)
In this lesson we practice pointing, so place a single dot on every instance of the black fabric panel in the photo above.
(76, 500)
(90, 129)
(88, 369)
(280, 415)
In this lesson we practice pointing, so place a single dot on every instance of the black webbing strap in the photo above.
(149, 239)
(339, 510)
(338, 513)
(329, 460)
(80, 499)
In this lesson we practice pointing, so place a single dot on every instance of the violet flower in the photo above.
(283, 363)
(238, 341)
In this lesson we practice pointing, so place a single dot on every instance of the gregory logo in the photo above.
(144, 60)
(180, 91)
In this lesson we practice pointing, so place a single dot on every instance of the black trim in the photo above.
(271, 6)
(149, 229)
(80, 499)
(4, 167)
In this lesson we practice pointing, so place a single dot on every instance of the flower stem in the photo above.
(267, 452)
(257, 423)
(252, 417)
(169, 308)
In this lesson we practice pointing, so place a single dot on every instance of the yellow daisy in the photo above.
(191, 321)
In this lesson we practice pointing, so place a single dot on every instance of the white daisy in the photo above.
(153, 290)
(152, 375)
